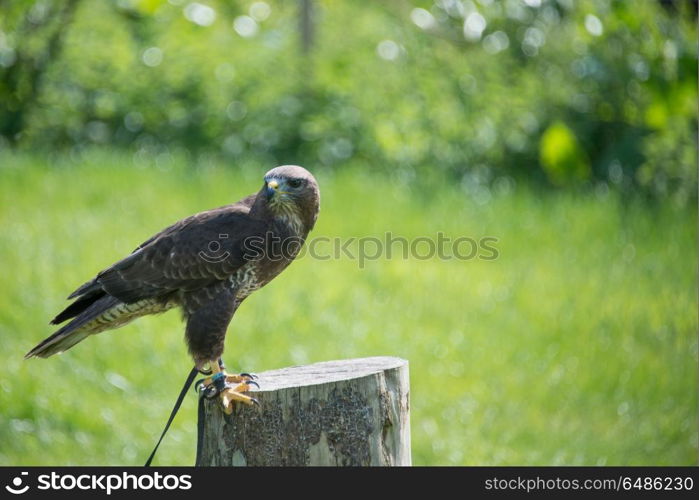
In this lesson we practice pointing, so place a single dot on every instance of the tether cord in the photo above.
(200, 430)
(175, 409)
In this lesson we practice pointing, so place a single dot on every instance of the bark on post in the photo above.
(349, 412)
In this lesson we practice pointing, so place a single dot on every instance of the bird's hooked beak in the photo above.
(272, 187)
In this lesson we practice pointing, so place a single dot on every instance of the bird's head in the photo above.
(292, 192)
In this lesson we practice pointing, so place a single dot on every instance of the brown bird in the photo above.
(206, 264)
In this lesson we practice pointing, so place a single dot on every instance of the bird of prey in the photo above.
(207, 265)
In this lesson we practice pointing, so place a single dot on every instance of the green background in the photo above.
(565, 129)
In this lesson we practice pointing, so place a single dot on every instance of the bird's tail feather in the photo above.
(78, 306)
(73, 332)
(57, 343)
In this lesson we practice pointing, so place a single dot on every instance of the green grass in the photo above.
(578, 345)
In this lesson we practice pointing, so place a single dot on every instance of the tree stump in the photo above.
(349, 412)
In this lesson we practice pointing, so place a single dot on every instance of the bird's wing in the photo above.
(240, 207)
(188, 255)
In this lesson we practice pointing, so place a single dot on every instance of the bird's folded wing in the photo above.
(188, 255)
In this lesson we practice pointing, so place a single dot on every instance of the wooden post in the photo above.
(349, 412)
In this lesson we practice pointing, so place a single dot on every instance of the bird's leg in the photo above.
(229, 387)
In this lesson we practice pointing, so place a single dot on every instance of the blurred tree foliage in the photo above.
(561, 91)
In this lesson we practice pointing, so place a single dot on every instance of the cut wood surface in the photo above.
(347, 412)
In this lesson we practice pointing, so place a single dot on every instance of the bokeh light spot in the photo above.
(474, 25)
(593, 25)
(422, 18)
(245, 26)
(152, 56)
(260, 11)
(200, 14)
(388, 50)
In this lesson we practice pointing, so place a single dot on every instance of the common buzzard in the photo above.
(206, 264)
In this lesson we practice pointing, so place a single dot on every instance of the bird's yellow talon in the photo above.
(232, 394)
(230, 388)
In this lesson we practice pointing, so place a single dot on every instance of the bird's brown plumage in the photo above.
(206, 264)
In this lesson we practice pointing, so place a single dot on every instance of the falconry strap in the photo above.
(187, 384)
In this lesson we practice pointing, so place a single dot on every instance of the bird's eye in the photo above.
(295, 183)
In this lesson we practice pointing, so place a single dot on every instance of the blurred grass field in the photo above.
(578, 345)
